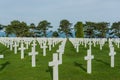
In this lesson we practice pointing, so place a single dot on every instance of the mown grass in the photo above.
(73, 68)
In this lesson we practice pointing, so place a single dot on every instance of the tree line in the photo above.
(80, 29)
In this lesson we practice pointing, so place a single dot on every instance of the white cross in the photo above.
(33, 54)
(1, 56)
(85, 43)
(77, 47)
(60, 51)
(34, 44)
(55, 64)
(22, 48)
(90, 44)
(118, 43)
(89, 57)
(94, 42)
(40, 43)
(49, 43)
(11, 45)
(44, 49)
(53, 43)
(15, 47)
(101, 46)
(112, 54)
(62, 47)
(82, 42)
(8, 44)
(27, 44)
(110, 43)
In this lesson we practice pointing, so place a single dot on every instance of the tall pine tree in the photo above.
(79, 33)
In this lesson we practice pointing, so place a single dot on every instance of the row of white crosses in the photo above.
(14, 43)
(87, 41)
(42, 42)
(102, 42)
(47, 43)
(75, 43)
(4, 42)
(89, 57)
(116, 41)
(33, 53)
(57, 60)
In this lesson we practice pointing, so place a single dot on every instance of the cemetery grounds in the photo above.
(74, 67)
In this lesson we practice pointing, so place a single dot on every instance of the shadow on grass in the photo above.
(2, 66)
(25, 54)
(3, 50)
(102, 61)
(80, 65)
(51, 72)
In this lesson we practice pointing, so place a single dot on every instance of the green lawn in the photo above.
(73, 67)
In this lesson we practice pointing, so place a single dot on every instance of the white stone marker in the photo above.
(1, 56)
(60, 51)
(50, 44)
(8, 43)
(77, 47)
(112, 54)
(40, 43)
(15, 47)
(85, 43)
(90, 44)
(34, 44)
(44, 49)
(89, 57)
(11, 45)
(118, 43)
(100, 46)
(94, 42)
(27, 44)
(53, 43)
(55, 64)
(22, 48)
(33, 54)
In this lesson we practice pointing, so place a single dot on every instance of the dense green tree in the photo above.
(89, 29)
(65, 27)
(32, 26)
(116, 28)
(43, 26)
(93, 29)
(55, 34)
(8, 30)
(1, 27)
(20, 29)
(102, 28)
(78, 27)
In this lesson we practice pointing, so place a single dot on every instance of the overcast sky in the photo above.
(33, 11)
